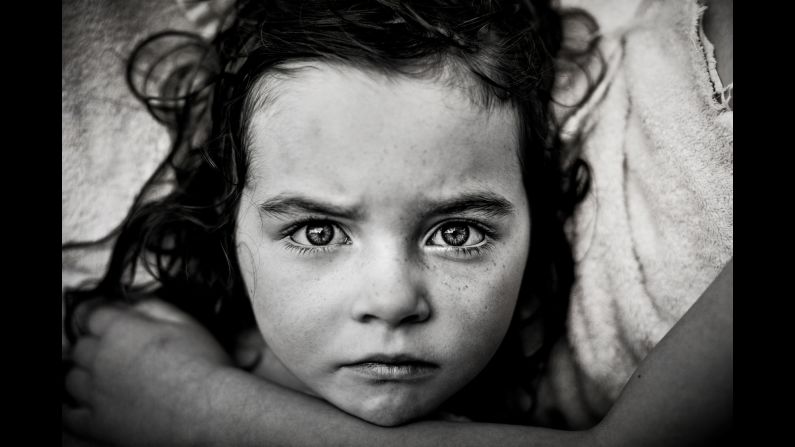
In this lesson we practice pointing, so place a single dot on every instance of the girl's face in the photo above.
(382, 237)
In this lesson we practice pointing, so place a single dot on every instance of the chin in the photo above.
(389, 412)
(387, 418)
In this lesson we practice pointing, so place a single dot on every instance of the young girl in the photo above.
(152, 375)
(382, 189)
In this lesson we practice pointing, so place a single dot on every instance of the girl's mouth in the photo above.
(392, 368)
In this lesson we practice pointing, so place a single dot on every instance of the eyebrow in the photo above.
(285, 205)
(486, 203)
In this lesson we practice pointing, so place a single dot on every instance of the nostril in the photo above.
(410, 319)
(394, 306)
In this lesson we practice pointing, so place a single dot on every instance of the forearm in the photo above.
(257, 413)
(682, 393)
(179, 390)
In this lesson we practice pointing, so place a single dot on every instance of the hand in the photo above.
(143, 375)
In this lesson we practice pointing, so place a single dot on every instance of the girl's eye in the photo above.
(457, 234)
(319, 234)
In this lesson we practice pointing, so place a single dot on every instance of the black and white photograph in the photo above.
(397, 223)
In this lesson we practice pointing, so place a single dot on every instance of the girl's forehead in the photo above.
(353, 133)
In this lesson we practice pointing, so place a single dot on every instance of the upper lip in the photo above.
(391, 359)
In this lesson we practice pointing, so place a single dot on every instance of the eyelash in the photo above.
(471, 252)
(305, 249)
(463, 252)
(487, 244)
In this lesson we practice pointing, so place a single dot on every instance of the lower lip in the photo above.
(393, 371)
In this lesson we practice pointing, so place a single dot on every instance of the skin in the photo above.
(682, 393)
(125, 378)
(379, 159)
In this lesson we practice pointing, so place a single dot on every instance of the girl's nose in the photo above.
(391, 291)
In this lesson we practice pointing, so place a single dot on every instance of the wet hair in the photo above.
(507, 53)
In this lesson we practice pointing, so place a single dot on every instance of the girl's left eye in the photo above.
(319, 234)
(457, 235)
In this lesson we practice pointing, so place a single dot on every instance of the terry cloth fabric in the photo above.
(657, 227)
(110, 143)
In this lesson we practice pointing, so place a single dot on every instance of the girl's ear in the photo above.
(531, 326)
(532, 337)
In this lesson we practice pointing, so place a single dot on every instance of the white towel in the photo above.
(110, 143)
(658, 225)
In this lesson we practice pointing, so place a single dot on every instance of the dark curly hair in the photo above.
(510, 52)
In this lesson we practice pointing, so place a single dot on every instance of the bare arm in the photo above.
(271, 415)
(680, 395)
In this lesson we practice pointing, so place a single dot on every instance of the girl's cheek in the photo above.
(480, 293)
(292, 288)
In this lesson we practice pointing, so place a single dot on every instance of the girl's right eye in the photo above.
(319, 234)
